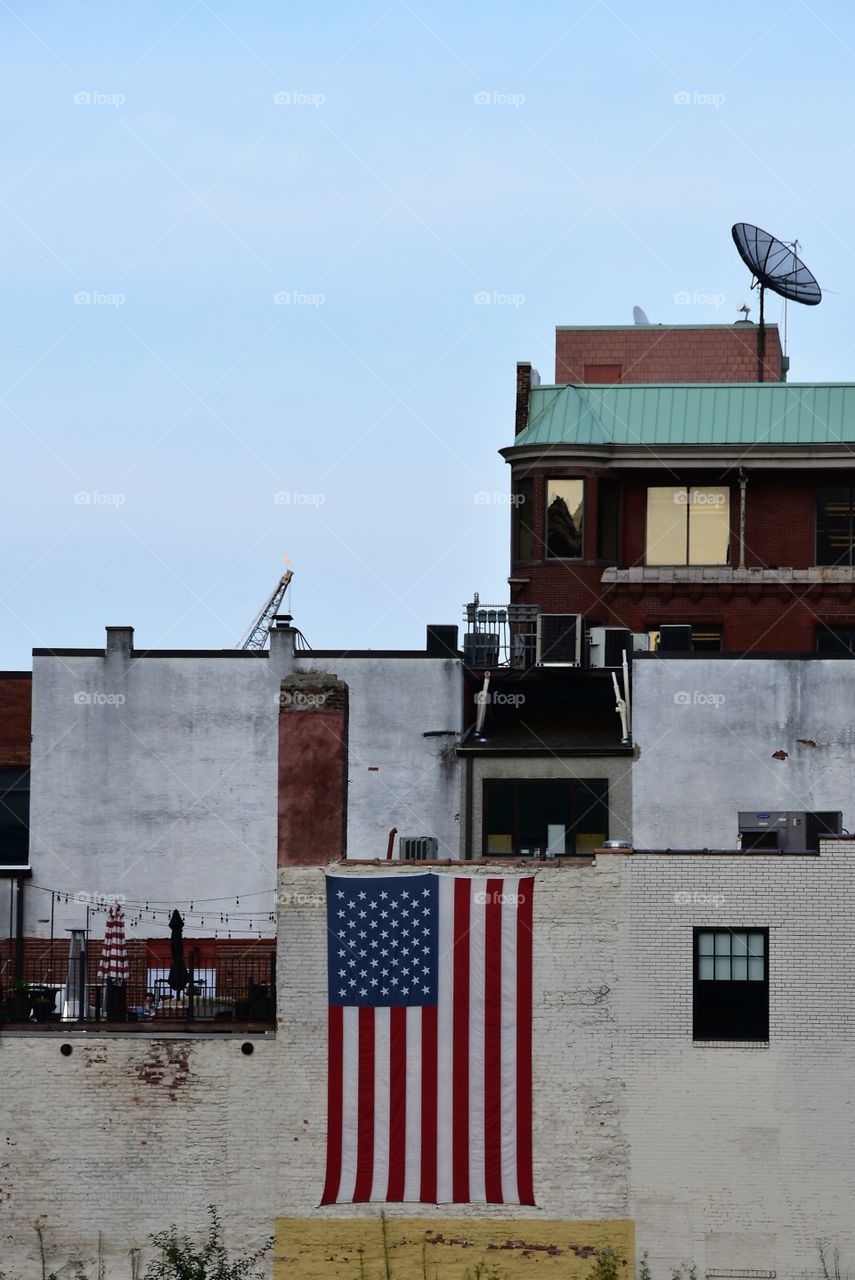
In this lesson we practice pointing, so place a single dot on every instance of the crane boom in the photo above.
(256, 636)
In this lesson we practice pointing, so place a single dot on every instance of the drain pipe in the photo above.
(391, 845)
(743, 485)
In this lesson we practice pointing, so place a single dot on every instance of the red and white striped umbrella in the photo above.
(113, 966)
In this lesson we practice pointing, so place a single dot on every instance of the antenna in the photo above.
(639, 316)
(773, 265)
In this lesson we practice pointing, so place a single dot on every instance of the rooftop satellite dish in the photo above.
(773, 265)
(639, 316)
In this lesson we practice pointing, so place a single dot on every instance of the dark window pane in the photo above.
(14, 816)
(591, 823)
(499, 816)
(835, 640)
(523, 523)
(550, 815)
(706, 639)
(545, 816)
(834, 526)
(608, 521)
(564, 508)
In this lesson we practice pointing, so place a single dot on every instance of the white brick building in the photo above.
(736, 1155)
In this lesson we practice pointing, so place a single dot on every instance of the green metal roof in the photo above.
(692, 413)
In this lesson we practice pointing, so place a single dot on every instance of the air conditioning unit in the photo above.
(787, 831)
(418, 848)
(675, 638)
(559, 639)
(608, 645)
(481, 649)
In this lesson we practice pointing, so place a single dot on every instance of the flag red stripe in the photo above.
(524, 1072)
(460, 1047)
(429, 1087)
(493, 1043)
(335, 1066)
(397, 1102)
(365, 1107)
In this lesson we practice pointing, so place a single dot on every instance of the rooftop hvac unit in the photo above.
(787, 831)
(481, 649)
(675, 638)
(608, 645)
(559, 639)
(418, 848)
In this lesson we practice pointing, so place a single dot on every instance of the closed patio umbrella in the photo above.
(178, 974)
(113, 965)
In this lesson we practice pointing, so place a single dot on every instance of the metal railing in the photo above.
(239, 988)
(503, 635)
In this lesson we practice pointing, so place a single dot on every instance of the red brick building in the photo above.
(659, 481)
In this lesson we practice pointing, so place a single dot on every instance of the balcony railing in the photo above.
(500, 635)
(730, 575)
(239, 989)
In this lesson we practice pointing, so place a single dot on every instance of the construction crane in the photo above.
(256, 636)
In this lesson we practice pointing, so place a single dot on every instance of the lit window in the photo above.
(564, 512)
(731, 984)
(544, 815)
(687, 525)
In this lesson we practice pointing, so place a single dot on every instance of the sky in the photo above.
(268, 270)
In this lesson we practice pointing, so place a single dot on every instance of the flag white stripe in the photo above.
(382, 1072)
(413, 1154)
(350, 1105)
(510, 1184)
(445, 1036)
(477, 967)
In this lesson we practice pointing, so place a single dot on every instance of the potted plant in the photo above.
(18, 1001)
(241, 1010)
(44, 1004)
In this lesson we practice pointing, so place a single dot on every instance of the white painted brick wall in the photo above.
(742, 1156)
(734, 1156)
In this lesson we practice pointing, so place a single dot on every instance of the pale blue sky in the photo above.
(381, 198)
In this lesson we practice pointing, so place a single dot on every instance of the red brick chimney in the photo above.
(312, 770)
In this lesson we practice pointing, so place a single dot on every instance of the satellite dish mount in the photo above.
(773, 265)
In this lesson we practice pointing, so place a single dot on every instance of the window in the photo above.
(704, 639)
(14, 817)
(564, 507)
(731, 984)
(523, 520)
(687, 525)
(835, 640)
(835, 514)
(608, 521)
(559, 816)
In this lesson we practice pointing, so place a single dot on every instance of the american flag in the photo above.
(429, 1073)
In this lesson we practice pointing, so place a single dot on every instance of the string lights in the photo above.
(226, 919)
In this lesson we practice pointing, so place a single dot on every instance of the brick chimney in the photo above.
(527, 377)
(313, 710)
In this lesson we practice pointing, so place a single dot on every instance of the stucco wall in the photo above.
(152, 778)
(707, 732)
(404, 721)
(156, 777)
